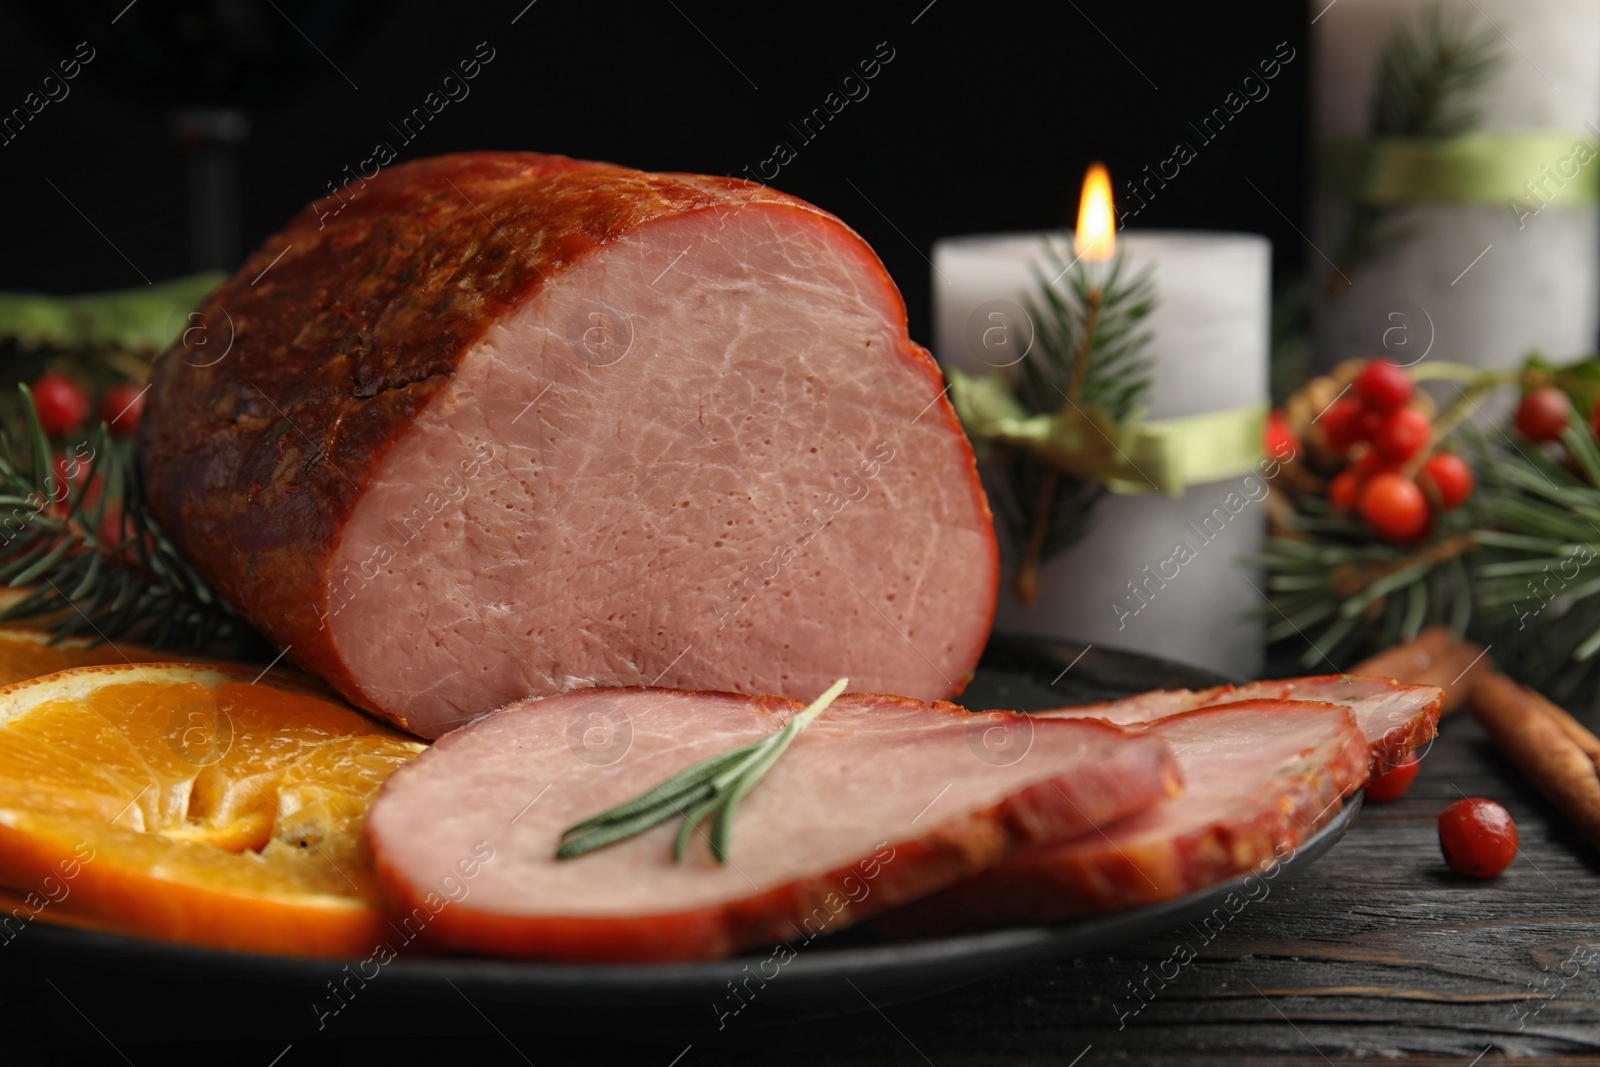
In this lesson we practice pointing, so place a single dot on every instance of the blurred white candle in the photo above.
(1489, 285)
(1209, 354)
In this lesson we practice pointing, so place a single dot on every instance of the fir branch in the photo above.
(1346, 594)
(1518, 569)
(79, 535)
(1429, 77)
(1087, 351)
(1429, 80)
(1537, 574)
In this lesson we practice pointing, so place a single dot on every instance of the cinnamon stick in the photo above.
(1434, 657)
(1589, 743)
(1555, 752)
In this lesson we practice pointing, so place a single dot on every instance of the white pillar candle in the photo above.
(1209, 353)
(1491, 281)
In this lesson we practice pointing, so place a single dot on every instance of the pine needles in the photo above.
(1087, 351)
(76, 531)
(1518, 569)
(1429, 78)
(1429, 81)
(1537, 574)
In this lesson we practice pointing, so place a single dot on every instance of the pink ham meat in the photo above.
(880, 800)
(1395, 718)
(498, 425)
(1259, 776)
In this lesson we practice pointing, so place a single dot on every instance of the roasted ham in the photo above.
(498, 425)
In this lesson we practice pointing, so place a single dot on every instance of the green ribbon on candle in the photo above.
(1535, 167)
(1135, 457)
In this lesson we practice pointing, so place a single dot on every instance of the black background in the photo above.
(983, 121)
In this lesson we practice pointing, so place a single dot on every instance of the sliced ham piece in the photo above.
(879, 801)
(1395, 718)
(500, 424)
(1259, 776)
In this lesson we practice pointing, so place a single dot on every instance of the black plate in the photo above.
(838, 974)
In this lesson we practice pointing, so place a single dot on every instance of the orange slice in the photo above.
(193, 804)
(26, 654)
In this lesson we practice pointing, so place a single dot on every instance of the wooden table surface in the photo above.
(1374, 951)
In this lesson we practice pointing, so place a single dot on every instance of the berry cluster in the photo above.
(63, 406)
(1390, 478)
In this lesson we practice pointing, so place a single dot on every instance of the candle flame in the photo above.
(1097, 226)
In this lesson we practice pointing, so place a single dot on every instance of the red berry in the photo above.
(1477, 837)
(61, 403)
(1594, 418)
(1340, 423)
(1543, 414)
(1404, 433)
(121, 407)
(1392, 785)
(1369, 424)
(1447, 477)
(1372, 462)
(1383, 386)
(1395, 508)
(1278, 440)
(1344, 490)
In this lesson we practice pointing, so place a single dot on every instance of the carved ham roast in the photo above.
(879, 801)
(1395, 718)
(498, 425)
(1259, 776)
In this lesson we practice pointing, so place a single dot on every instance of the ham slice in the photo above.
(879, 801)
(498, 425)
(1395, 718)
(1259, 776)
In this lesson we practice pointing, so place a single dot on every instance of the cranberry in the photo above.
(1373, 462)
(1395, 508)
(1344, 490)
(1477, 837)
(121, 408)
(1341, 423)
(1278, 439)
(1448, 478)
(1404, 433)
(1383, 386)
(61, 402)
(1392, 785)
(1543, 414)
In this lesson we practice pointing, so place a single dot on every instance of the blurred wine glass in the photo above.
(207, 63)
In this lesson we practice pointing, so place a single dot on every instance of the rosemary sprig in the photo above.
(95, 559)
(712, 787)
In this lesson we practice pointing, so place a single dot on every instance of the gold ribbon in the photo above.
(1165, 456)
(1537, 167)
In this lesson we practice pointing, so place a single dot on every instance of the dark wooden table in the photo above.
(1375, 951)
